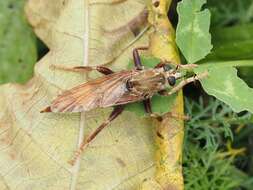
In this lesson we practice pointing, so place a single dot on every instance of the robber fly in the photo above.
(119, 88)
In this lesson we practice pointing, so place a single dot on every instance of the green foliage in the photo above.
(207, 132)
(211, 121)
(224, 84)
(232, 43)
(204, 170)
(17, 43)
(207, 122)
(192, 35)
(193, 39)
(227, 12)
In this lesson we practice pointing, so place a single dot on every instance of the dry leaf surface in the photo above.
(35, 147)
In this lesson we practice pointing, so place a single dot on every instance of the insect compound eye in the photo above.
(156, 3)
(166, 67)
(172, 80)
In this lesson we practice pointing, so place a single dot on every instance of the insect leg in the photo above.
(137, 59)
(101, 69)
(147, 105)
(187, 66)
(115, 113)
(183, 83)
(164, 63)
(178, 66)
(148, 109)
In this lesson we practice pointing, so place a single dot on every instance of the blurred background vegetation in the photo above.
(19, 47)
(218, 147)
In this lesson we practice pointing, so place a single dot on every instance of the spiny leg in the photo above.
(187, 66)
(115, 113)
(179, 87)
(137, 59)
(101, 69)
(183, 83)
(168, 64)
(148, 109)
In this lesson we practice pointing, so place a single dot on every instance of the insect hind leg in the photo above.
(80, 69)
(148, 109)
(115, 113)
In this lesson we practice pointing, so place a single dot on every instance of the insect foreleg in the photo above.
(137, 59)
(101, 69)
(183, 83)
(115, 113)
(187, 66)
(178, 66)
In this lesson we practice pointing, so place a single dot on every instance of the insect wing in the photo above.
(102, 92)
(128, 97)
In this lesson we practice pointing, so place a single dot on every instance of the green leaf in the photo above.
(147, 61)
(192, 35)
(224, 84)
(17, 43)
(160, 104)
(232, 43)
(227, 12)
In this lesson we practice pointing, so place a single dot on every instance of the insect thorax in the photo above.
(146, 82)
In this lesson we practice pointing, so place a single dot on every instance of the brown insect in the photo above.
(119, 88)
